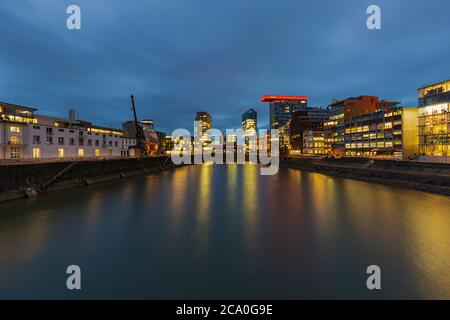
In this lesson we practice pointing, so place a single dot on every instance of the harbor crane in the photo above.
(140, 137)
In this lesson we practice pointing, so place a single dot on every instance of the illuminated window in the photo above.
(15, 140)
(60, 152)
(97, 152)
(36, 153)
(14, 129)
(81, 152)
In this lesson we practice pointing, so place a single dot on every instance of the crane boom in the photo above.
(140, 138)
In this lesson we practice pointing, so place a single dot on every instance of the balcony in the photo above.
(434, 99)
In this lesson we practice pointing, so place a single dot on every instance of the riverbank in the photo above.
(30, 180)
(428, 177)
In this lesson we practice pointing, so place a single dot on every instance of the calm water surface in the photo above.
(227, 232)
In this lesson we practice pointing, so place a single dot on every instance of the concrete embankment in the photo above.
(429, 177)
(28, 180)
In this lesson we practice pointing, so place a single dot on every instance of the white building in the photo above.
(25, 135)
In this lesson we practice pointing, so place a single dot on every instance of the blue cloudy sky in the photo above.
(182, 56)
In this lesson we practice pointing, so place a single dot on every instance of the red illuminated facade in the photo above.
(283, 98)
(281, 111)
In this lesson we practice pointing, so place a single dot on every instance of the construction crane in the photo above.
(140, 137)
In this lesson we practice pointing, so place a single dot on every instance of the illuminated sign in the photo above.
(283, 98)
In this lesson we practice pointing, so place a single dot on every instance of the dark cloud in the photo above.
(182, 56)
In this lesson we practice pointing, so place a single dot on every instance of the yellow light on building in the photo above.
(36, 153)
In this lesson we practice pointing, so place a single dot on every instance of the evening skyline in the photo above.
(178, 58)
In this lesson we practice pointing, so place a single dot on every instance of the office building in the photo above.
(343, 111)
(249, 122)
(313, 143)
(388, 133)
(434, 122)
(310, 119)
(250, 129)
(281, 110)
(204, 121)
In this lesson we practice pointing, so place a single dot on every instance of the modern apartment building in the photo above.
(434, 122)
(26, 135)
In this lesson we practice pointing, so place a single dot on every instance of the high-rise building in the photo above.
(250, 130)
(342, 111)
(434, 122)
(204, 120)
(281, 109)
(249, 122)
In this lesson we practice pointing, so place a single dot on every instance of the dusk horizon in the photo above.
(220, 57)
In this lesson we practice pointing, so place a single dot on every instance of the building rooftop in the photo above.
(6, 104)
(283, 98)
(434, 84)
(379, 101)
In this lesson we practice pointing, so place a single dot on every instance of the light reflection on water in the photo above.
(227, 232)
